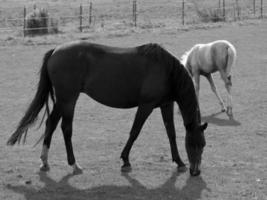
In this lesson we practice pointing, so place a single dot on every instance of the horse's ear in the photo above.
(203, 126)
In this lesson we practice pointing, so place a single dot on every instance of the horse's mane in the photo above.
(184, 57)
(180, 78)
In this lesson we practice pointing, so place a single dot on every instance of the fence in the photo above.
(133, 13)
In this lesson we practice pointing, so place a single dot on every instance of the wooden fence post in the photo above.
(135, 12)
(261, 8)
(223, 9)
(254, 7)
(90, 13)
(81, 18)
(24, 21)
(183, 12)
(238, 9)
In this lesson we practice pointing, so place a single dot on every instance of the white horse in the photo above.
(205, 59)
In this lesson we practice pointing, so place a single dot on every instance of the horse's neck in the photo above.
(186, 97)
(189, 110)
(186, 61)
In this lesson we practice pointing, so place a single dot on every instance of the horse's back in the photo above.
(200, 59)
(116, 77)
(211, 57)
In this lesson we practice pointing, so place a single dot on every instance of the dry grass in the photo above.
(235, 158)
(234, 163)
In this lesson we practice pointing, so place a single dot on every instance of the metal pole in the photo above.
(90, 13)
(135, 12)
(183, 12)
(24, 21)
(224, 10)
(261, 8)
(254, 7)
(81, 18)
(238, 9)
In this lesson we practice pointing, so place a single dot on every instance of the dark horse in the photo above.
(146, 76)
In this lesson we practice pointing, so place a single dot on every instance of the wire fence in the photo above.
(132, 13)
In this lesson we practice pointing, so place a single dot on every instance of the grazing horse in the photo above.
(205, 59)
(146, 77)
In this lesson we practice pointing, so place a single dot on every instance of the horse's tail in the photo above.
(231, 59)
(40, 99)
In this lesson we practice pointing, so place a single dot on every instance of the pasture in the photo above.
(234, 162)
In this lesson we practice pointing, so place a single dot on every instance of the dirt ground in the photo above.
(234, 161)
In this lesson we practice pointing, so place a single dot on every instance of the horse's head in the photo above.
(194, 144)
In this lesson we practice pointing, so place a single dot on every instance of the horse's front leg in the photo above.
(214, 89)
(196, 78)
(167, 115)
(142, 114)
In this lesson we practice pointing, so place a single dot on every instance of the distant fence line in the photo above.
(138, 13)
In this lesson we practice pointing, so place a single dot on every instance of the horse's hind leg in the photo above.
(228, 86)
(142, 114)
(214, 89)
(167, 115)
(67, 111)
(51, 124)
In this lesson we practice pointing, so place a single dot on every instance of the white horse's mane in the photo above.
(184, 57)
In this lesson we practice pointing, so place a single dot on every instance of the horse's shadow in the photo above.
(63, 190)
(213, 119)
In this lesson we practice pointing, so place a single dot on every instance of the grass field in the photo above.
(234, 164)
(234, 161)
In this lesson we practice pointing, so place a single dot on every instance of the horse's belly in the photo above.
(113, 100)
(117, 94)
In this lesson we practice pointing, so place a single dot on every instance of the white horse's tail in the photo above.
(231, 61)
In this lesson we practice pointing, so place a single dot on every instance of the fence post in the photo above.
(238, 9)
(81, 18)
(254, 7)
(224, 10)
(183, 12)
(261, 8)
(24, 21)
(135, 12)
(90, 13)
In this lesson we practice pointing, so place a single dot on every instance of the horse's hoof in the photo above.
(223, 109)
(181, 169)
(126, 168)
(229, 110)
(77, 171)
(194, 172)
(44, 167)
(231, 117)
